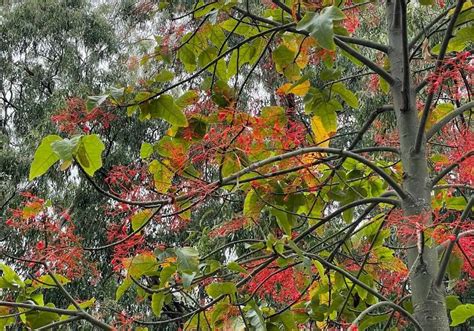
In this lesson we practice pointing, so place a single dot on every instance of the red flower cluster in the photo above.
(408, 226)
(227, 228)
(59, 246)
(130, 247)
(75, 118)
(453, 70)
(351, 23)
(128, 180)
(282, 287)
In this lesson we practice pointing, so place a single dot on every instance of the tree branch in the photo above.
(371, 65)
(446, 119)
(365, 287)
(211, 63)
(439, 62)
(444, 263)
(397, 188)
(363, 42)
(451, 167)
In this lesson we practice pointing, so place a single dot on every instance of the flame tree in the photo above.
(316, 173)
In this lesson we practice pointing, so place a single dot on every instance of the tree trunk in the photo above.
(428, 299)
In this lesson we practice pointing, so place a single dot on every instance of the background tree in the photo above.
(265, 204)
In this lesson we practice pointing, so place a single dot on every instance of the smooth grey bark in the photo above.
(428, 299)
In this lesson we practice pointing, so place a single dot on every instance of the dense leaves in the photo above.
(290, 176)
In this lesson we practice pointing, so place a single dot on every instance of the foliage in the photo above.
(267, 198)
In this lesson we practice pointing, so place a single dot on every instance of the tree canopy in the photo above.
(237, 165)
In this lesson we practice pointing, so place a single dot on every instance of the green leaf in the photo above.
(188, 259)
(255, 316)
(89, 153)
(66, 148)
(252, 205)
(10, 278)
(426, 2)
(384, 85)
(321, 26)
(46, 281)
(454, 266)
(166, 274)
(324, 122)
(234, 266)
(127, 282)
(84, 305)
(348, 96)
(220, 312)
(461, 314)
(140, 218)
(288, 320)
(95, 101)
(456, 203)
(44, 157)
(217, 289)
(164, 76)
(188, 98)
(157, 301)
(452, 301)
(187, 57)
(162, 176)
(37, 319)
(282, 56)
(142, 264)
(282, 219)
(166, 109)
(146, 150)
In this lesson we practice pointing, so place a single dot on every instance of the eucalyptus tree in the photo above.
(338, 226)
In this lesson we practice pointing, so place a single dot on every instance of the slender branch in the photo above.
(363, 42)
(371, 65)
(66, 293)
(368, 124)
(193, 11)
(397, 188)
(339, 211)
(444, 262)
(446, 119)
(211, 63)
(267, 46)
(452, 166)
(283, 6)
(51, 326)
(445, 243)
(439, 62)
(154, 203)
(375, 306)
(356, 5)
(429, 26)
(365, 287)
(40, 308)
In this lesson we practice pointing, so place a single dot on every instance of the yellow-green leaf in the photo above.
(44, 157)
(89, 153)
(157, 301)
(140, 218)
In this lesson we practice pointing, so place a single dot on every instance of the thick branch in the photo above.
(363, 42)
(452, 166)
(446, 119)
(371, 65)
